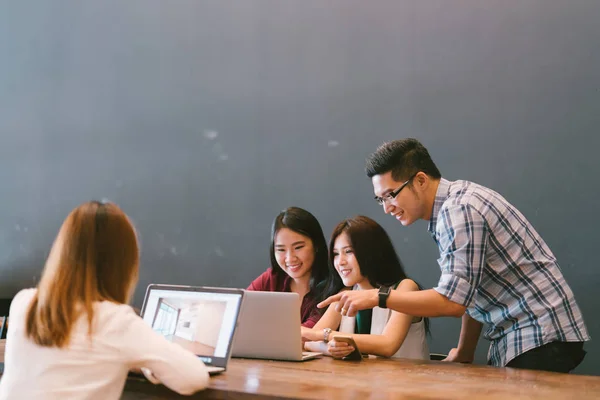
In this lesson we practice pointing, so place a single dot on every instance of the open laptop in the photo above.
(200, 319)
(269, 327)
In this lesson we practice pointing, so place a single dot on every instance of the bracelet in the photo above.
(326, 333)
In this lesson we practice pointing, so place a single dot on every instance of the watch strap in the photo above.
(384, 293)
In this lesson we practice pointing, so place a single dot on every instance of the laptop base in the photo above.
(214, 370)
(310, 355)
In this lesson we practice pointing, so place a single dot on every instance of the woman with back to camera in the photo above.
(74, 336)
(362, 257)
(298, 261)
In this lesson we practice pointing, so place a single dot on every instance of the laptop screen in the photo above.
(201, 320)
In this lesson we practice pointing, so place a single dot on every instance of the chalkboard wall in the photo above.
(203, 119)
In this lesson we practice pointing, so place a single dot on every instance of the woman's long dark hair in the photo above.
(304, 223)
(377, 259)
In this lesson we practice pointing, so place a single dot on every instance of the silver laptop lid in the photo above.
(269, 326)
(200, 319)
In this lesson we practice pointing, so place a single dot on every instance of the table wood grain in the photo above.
(376, 378)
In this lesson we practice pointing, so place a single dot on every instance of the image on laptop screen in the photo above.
(200, 320)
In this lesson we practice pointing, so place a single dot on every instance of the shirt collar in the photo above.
(440, 197)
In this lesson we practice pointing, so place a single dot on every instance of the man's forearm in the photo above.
(424, 303)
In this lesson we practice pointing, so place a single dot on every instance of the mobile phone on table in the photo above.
(355, 355)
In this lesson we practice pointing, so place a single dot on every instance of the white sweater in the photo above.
(95, 369)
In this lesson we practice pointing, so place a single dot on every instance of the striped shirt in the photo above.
(494, 263)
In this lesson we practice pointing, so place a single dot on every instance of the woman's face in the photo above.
(345, 261)
(294, 253)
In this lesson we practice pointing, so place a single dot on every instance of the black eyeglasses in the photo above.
(392, 195)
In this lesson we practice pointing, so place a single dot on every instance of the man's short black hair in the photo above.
(404, 157)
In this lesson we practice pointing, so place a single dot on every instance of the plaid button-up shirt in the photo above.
(494, 263)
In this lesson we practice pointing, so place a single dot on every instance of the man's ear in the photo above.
(421, 181)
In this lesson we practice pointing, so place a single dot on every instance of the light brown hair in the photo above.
(95, 257)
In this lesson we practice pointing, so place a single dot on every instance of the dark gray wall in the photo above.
(203, 119)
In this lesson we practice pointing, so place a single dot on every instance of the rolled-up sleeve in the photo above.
(310, 314)
(462, 237)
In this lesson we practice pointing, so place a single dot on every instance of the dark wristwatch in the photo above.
(384, 293)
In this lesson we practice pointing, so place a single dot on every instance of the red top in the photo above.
(268, 282)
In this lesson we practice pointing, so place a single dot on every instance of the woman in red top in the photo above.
(298, 261)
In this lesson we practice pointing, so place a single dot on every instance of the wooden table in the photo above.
(377, 378)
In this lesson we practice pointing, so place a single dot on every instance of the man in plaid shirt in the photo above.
(495, 268)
